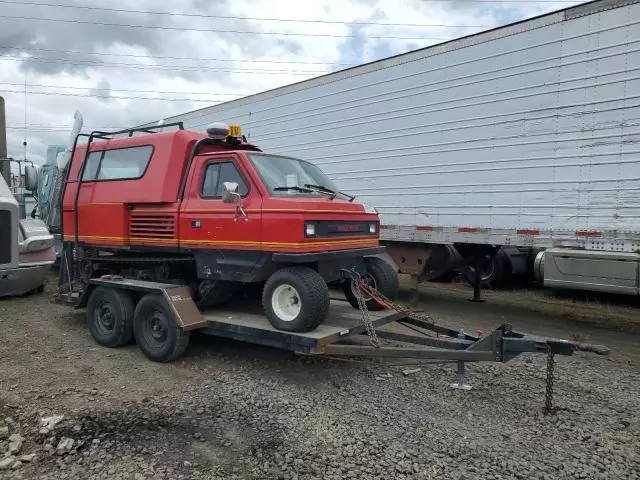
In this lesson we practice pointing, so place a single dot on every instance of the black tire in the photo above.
(212, 293)
(310, 292)
(110, 316)
(381, 276)
(156, 331)
(494, 274)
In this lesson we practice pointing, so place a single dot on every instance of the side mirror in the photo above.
(230, 194)
(30, 178)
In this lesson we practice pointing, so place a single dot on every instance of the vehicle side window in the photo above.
(91, 168)
(124, 163)
(210, 184)
(216, 174)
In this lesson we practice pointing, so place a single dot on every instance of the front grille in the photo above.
(150, 225)
(329, 228)
(5, 236)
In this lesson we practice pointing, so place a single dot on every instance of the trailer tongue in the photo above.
(396, 332)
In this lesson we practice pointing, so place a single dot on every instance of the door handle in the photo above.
(195, 224)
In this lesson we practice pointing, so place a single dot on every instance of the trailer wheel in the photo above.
(380, 276)
(110, 316)
(495, 272)
(296, 299)
(156, 331)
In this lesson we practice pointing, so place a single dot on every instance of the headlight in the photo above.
(310, 229)
(372, 228)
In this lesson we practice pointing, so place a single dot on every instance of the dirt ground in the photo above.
(232, 410)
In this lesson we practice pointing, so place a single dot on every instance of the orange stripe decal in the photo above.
(234, 243)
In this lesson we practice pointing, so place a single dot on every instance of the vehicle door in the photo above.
(206, 221)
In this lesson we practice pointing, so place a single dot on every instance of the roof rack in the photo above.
(131, 131)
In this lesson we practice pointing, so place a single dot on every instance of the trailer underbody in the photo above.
(347, 332)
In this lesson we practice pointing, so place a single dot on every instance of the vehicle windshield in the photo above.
(290, 176)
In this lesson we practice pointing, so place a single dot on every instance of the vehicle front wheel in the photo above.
(156, 331)
(380, 276)
(296, 299)
(110, 316)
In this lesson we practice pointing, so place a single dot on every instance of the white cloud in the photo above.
(120, 61)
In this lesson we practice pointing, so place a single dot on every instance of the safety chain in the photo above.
(362, 304)
(385, 302)
(548, 396)
(359, 286)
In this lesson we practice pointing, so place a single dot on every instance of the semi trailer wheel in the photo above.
(379, 275)
(296, 299)
(110, 316)
(156, 331)
(495, 272)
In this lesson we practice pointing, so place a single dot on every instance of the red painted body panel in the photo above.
(219, 226)
(147, 211)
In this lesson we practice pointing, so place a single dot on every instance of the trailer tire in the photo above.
(156, 331)
(110, 316)
(495, 275)
(295, 299)
(381, 276)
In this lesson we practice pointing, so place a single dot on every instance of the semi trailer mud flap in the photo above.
(187, 314)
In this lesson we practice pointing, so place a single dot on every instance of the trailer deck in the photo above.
(248, 323)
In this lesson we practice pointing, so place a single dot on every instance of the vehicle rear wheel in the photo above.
(110, 316)
(156, 331)
(380, 276)
(296, 299)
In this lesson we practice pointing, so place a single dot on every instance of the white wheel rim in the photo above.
(285, 302)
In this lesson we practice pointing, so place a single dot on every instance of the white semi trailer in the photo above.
(522, 141)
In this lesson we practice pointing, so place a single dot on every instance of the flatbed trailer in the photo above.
(391, 333)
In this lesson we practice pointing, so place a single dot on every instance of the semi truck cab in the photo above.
(26, 247)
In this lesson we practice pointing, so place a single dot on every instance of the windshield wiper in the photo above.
(333, 193)
(296, 188)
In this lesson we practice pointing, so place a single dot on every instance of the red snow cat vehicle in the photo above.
(213, 213)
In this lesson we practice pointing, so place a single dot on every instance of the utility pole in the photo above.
(5, 167)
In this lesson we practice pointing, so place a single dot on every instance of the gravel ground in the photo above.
(230, 410)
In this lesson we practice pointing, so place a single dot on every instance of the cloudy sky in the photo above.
(127, 62)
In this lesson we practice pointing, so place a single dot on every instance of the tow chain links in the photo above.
(362, 304)
(359, 286)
